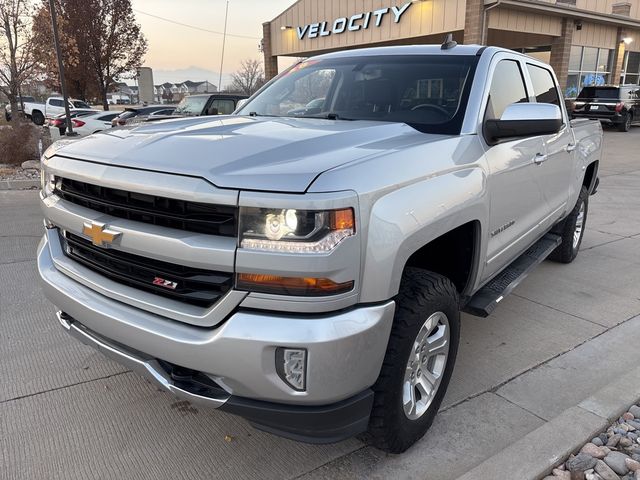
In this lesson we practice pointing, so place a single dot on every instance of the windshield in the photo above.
(599, 93)
(428, 92)
(191, 106)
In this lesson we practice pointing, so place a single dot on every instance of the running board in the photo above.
(487, 298)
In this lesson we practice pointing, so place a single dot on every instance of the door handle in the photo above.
(571, 147)
(540, 159)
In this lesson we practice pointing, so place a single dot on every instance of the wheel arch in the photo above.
(590, 178)
(403, 231)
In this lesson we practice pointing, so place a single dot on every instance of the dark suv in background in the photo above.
(619, 106)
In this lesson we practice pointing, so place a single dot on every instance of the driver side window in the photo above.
(507, 87)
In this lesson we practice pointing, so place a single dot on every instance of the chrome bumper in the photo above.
(345, 349)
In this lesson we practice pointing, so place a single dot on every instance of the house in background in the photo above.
(174, 92)
(200, 87)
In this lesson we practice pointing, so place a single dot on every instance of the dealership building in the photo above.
(588, 42)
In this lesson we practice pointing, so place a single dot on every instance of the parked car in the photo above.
(7, 108)
(85, 122)
(307, 272)
(40, 112)
(311, 108)
(130, 113)
(208, 104)
(614, 105)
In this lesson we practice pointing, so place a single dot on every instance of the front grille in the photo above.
(166, 212)
(194, 285)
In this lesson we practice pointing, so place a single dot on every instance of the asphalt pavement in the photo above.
(568, 330)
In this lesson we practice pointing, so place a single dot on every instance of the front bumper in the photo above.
(345, 353)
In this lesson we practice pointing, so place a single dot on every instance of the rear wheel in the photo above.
(571, 229)
(37, 117)
(625, 126)
(418, 363)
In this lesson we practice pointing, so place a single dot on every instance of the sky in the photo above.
(177, 53)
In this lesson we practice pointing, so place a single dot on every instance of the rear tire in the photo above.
(37, 117)
(418, 363)
(625, 126)
(571, 229)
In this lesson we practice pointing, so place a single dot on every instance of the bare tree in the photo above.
(249, 78)
(16, 48)
(116, 45)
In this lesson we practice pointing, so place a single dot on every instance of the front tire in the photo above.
(571, 229)
(419, 360)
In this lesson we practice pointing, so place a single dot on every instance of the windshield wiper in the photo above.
(327, 116)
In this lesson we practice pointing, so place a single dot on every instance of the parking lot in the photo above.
(68, 412)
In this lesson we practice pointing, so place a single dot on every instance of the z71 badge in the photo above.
(161, 282)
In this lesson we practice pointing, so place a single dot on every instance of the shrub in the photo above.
(18, 143)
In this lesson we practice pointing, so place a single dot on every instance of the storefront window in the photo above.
(575, 59)
(631, 73)
(589, 59)
(588, 66)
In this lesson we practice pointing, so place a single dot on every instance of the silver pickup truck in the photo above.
(305, 267)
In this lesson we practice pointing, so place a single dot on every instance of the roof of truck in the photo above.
(409, 50)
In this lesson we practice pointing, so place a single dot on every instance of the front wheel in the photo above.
(571, 229)
(419, 360)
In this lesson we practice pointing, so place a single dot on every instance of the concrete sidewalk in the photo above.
(567, 332)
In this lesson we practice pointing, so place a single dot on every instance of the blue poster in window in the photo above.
(593, 79)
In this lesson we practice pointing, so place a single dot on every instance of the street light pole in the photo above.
(224, 39)
(56, 41)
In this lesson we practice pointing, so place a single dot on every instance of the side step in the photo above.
(487, 298)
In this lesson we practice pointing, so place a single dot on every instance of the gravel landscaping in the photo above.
(29, 170)
(612, 455)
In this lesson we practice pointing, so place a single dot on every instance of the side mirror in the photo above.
(524, 120)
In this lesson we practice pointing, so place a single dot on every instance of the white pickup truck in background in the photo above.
(38, 112)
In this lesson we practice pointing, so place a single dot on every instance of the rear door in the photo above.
(55, 106)
(514, 183)
(555, 172)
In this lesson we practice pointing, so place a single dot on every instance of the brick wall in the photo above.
(270, 62)
(561, 50)
(473, 22)
(622, 8)
(618, 59)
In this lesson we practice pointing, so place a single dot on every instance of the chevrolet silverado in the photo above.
(307, 272)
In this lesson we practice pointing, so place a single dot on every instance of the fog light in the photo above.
(291, 366)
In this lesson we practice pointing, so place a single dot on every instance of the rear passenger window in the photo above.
(543, 86)
(56, 103)
(507, 87)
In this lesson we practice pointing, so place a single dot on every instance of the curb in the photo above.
(19, 184)
(534, 455)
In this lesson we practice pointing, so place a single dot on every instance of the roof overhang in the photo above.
(566, 11)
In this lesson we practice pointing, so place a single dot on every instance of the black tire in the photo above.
(568, 250)
(37, 117)
(625, 126)
(422, 294)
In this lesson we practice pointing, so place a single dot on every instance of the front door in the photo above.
(517, 203)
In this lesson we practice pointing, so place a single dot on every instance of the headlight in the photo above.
(294, 231)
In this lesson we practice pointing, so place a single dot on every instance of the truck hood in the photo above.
(252, 153)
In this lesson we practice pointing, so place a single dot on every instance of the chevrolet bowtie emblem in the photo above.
(99, 234)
